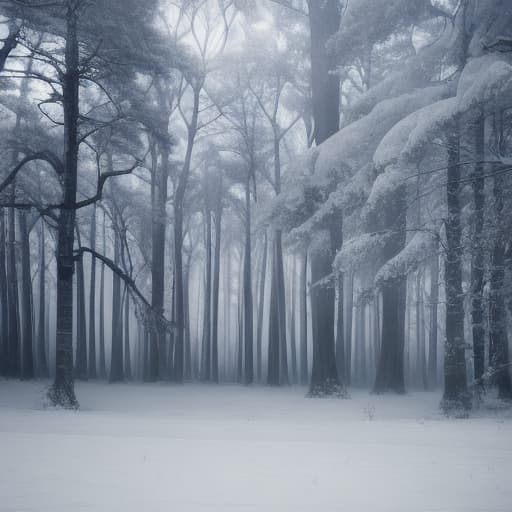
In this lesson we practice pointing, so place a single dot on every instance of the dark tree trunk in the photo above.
(348, 329)
(207, 322)
(4, 316)
(116, 354)
(81, 334)
(390, 368)
(127, 352)
(102, 364)
(432, 332)
(340, 331)
(14, 366)
(217, 216)
(324, 376)
(261, 307)
(293, 341)
(179, 198)
(92, 302)
(247, 283)
(27, 367)
(477, 253)
(499, 350)
(159, 223)
(62, 392)
(274, 353)
(186, 306)
(42, 360)
(456, 398)
(303, 311)
(324, 20)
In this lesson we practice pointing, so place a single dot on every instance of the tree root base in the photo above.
(457, 407)
(62, 398)
(329, 388)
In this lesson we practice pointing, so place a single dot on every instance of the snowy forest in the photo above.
(263, 203)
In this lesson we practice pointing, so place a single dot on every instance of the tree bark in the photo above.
(92, 302)
(247, 283)
(27, 367)
(102, 364)
(390, 369)
(4, 316)
(14, 366)
(456, 398)
(62, 392)
(477, 254)
(432, 333)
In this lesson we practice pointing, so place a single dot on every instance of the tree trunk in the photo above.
(499, 350)
(477, 254)
(303, 311)
(456, 398)
(81, 334)
(432, 332)
(261, 307)
(127, 351)
(102, 364)
(116, 357)
(293, 341)
(62, 392)
(324, 376)
(420, 332)
(217, 215)
(247, 283)
(274, 355)
(160, 175)
(14, 366)
(27, 367)
(92, 302)
(4, 316)
(207, 323)
(348, 329)
(390, 369)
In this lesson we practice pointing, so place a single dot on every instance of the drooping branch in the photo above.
(128, 281)
(45, 156)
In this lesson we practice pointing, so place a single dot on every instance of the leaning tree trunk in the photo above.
(456, 398)
(27, 367)
(477, 253)
(62, 392)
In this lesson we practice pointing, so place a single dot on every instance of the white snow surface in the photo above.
(135, 448)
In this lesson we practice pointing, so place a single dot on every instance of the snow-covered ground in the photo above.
(151, 448)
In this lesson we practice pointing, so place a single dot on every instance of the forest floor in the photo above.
(152, 448)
